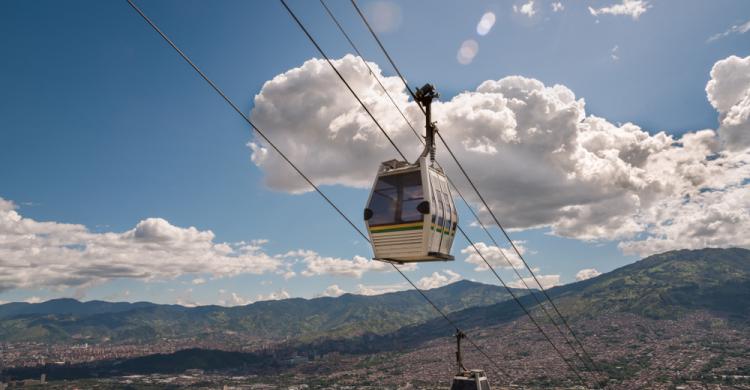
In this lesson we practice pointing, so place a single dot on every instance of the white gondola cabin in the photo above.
(470, 380)
(410, 215)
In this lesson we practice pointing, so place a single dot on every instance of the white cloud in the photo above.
(316, 264)
(324, 113)
(238, 300)
(579, 175)
(468, 50)
(557, 6)
(546, 281)
(714, 218)
(632, 8)
(485, 23)
(380, 289)
(729, 93)
(525, 9)
(33, 299)
(496, 256)
(185, 298)
(186, 303)
(234, 299)
(7, 205)
(438, 279)
(587, 273)
(735, 29)
(332, 291)
(60, 255)
(274, 296)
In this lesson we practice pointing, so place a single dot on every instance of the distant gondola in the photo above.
(470, 380)
(410, 214)
(467, 379)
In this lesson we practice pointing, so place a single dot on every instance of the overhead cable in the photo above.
(307, 179)
(320, 50)
(486, 205)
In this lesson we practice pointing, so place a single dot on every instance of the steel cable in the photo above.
(317, 189)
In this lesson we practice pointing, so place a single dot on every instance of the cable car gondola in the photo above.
(410, 215)
(467, 379)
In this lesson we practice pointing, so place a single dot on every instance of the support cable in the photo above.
(245, 117)
(317, 189)
(351, 43)
(492, 238)
(518, 253)
(395, 67)
(320, 50)
(455, 326)
(528, 314)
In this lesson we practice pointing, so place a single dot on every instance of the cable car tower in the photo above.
(410, 214)
(467, 379)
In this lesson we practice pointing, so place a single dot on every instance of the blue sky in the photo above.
(102, 125)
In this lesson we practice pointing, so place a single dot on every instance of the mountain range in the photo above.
(699, 289)
(662, 286)
(68, 320)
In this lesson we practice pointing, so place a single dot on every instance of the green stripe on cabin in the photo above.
(396, 228)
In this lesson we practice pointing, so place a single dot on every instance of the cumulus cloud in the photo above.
(632, 8)
(51, 254)
(496, 256)
(438, 279)
(232, 299)
(185, 298)
(557, 6)
(227, 298)
(332, 291)
(578, 175)
(525, 9)
(379, 289)
(546, 281)
(274, 296)
(587, 273)
(56, 255)
(316, 264)
(729, 93)
(308, 107)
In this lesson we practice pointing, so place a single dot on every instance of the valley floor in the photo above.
(698, 351)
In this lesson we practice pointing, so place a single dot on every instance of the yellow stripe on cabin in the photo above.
(396, 227)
